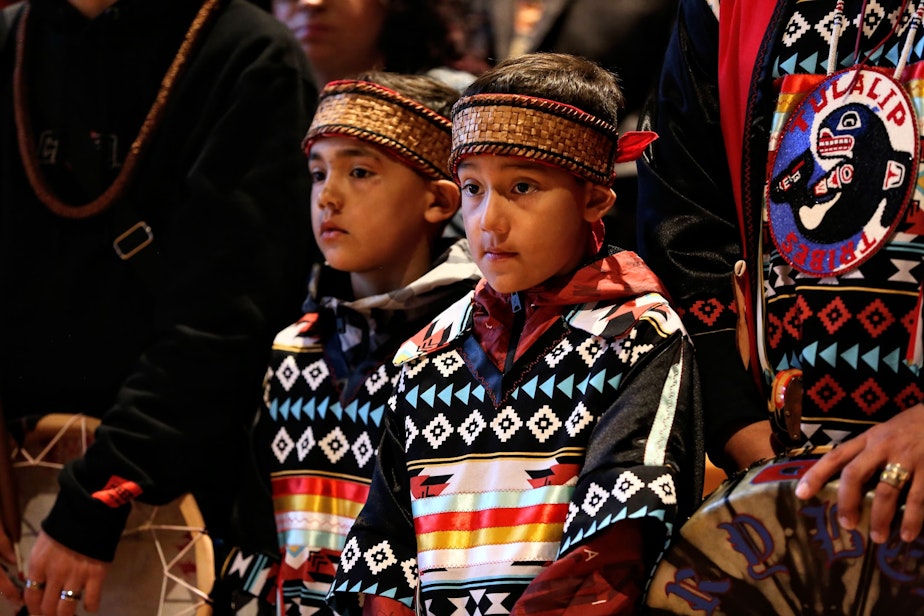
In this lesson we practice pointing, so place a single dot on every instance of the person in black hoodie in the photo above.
(154, 233)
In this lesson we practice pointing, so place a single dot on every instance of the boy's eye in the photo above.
(522, 188)
(360, 173)
(317, 176)
(470, 189)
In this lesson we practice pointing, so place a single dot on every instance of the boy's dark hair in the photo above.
(427, 91)
(559, 77)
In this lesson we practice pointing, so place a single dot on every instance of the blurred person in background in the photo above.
(154, 234)
(345, 37)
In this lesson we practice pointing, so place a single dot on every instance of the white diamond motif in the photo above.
(506, 424)
(544, 423)
(334, 445)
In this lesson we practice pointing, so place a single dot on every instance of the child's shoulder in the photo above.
(616, 318)
(448, 326)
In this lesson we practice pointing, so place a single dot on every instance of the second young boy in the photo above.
(381, 196)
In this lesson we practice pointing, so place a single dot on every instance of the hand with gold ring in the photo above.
(69, 577)
(893, 453)
(895, 475)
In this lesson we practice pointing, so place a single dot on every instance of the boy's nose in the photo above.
(494, 216)
(329, 198)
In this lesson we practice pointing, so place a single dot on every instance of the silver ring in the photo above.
(34, 585)
(70, 595)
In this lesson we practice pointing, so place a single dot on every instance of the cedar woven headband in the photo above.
(530, 127)
(368, 111)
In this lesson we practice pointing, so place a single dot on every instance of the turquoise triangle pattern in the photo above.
(377, 414)
(372, 589)
(658, 513)
(296, 409)
(446, 395)
(515, 393)
(342, 587)
(829, 354)
(284, 409)
(547, 387)
(615, 381)
(273, 409)
(309, 410)
(363, 413)
(810, 63)
(892, 54)
(464, 393)
(808, 353)
(874, 58)
(592, 528)
(641, 513)
(356, 587)
(391, 593)
(530, 387)
(598, 380)
(411, 397)
(919, 47)
(851, 354)
(783, 365)
(350, 410)
(429, 396)
(621, 515)
(337, 410)
(322, 408)
(478, 392)
(567, 386)
(582, 386)
(892, 359)
(871, 358)
(788, 66)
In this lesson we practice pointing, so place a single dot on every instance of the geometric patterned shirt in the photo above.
(326, 391)
(484, 478)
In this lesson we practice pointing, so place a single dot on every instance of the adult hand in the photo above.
(897, 441)
(62, 569)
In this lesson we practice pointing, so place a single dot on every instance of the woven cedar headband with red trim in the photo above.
(544, 130)
(364, 110)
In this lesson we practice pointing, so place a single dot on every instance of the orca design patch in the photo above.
(843, 173)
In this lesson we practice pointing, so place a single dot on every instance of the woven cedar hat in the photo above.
(544, 130)
(364, 110)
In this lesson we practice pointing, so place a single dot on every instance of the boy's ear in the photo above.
(446, 201)
(600, 200)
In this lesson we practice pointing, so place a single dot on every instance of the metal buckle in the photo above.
(146, 238)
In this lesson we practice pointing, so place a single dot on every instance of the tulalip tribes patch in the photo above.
(844, 172)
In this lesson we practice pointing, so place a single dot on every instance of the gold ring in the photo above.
(34, 585)
(895, 475)
(70, 595)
